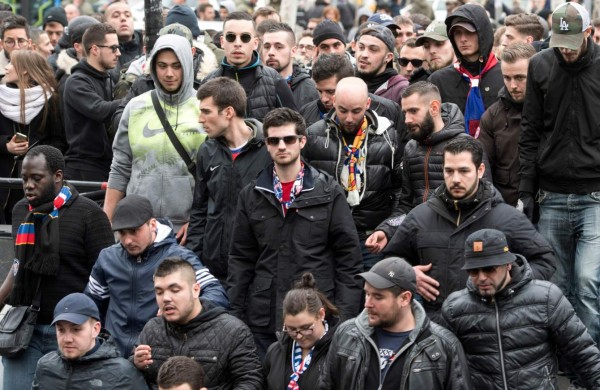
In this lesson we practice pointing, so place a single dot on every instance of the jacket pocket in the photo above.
(259, 302)
(428, 370)
(313, 225)
(266, 223)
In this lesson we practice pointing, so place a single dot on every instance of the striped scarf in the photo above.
(299, 365)
(354, 165)
(296, 188)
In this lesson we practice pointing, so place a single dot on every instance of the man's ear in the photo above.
(481, 170)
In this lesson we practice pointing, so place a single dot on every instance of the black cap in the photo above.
(485, 248)
(77, 27)
(76, 308)
(390, 272)
(55, 14)
(328, 29)
(132, 212)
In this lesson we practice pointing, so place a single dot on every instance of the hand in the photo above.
(376, 241)
(427, 286)
(142, 357)
(181, 235)
(17, 148)
(528, 204)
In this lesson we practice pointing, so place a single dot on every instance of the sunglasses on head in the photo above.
(485, 270)
(403, 61)
(288, 140)
(231, 37)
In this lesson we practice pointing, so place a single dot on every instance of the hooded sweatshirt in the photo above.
(145, 161)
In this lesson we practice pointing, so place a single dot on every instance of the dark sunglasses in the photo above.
(231, 37)
(485, 270)
(415, 62)
(112, 48)
(288, 140)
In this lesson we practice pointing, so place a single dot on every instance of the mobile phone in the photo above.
(20, 138)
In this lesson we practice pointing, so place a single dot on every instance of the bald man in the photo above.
(368, 166)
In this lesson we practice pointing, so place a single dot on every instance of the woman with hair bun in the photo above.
(295, 361)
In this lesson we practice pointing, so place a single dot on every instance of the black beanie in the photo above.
(183, 14)
(328, 29)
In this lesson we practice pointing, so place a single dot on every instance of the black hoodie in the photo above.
(452, 85)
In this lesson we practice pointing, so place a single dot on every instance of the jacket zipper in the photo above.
(500, 347)
(457, 209)
(426, 172)
(410, 362)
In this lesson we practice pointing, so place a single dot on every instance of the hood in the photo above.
(486, 191)
(181, 47)
(507, 100)
(454, 124)
(521, 274)
(66, 60)
(477, 16)
(421, 323)
(209, 312)
(84, 66)
(256, 127)
(107, 350)
(363, 11)
(208, 60)
(298, 75)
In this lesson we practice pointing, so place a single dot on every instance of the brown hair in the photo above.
(526, 24)
(517, 51)
(336, 11)
(225, 92)
(180, 370)
(306, 297)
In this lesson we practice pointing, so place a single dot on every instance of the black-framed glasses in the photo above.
(112, 48)
(288, 140)
(293, 333)
(485, 270)
(231, 37)
(403, 61)
(21, 42)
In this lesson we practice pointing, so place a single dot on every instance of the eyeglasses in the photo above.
(403, 61)
(112, 48)
(295, 332)
(288, 140)
(231, 37)
(485, 270)
(9, 42)
(307, 47)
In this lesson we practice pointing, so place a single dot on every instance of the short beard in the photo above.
(426, 129)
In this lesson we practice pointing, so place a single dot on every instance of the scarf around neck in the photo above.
(353, 171)
(475, 106)
(10, 103)
(296, 188)
(299, 365)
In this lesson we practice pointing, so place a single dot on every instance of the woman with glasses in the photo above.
(29, 116)
(295, 361)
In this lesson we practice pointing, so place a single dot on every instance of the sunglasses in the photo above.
(112, 48)
(288, 140)
(415, 62)
(485, 270)
(231, 37)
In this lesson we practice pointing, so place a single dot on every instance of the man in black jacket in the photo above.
(513, 327)
(559, 155)
(192, 327)
(88, 106)
(292, 219)
(431, 236)
(392, 344)
(232, 156)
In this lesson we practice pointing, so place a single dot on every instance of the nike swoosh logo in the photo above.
(213, 168)
(148, 132)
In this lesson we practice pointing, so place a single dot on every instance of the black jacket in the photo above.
(324, 150)
(303, 87)
(221, 343)
(278, 361)
(435, 232)
(452, 85)
(270, 251)
(559, 140)
(499, 132)
(219, 181)
(88, 108)
(512, 341)
(129, 51)
(430, 359)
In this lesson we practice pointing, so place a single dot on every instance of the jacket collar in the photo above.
(264, 182)
(421, 322)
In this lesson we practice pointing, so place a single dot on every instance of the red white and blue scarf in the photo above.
(296, 188)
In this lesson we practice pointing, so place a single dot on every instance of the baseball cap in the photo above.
(390, 272)
(485, 248)
(464, 24)
(131, 212)
(177, 29)
(384, 20)
(382, 33)
(55, 14)
(569, 21)
(436, 31)
(76, 308)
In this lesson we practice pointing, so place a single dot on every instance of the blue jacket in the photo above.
(123, 288)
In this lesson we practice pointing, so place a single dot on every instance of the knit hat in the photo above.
(569, 21)
(435, 31)
(177, 29)
(328, 29)
(380, 32)
(55, 14)
(184, 15)
(77, 27)
(487, 248)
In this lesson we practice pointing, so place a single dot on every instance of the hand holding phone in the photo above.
(20, 138)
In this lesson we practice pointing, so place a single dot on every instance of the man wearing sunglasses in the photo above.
(410, 58)
(512, 327)
(15, 36)
(290, 220)
(432, 233)
(264, 87)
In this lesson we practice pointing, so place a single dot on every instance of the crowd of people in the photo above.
(374, 200)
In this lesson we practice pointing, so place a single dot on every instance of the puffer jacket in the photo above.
(278, 361)
(431, 358)
(303, 87)
(219, 181)
(102, 369)
(270, 250)
(381, 190)
(499, 133)
(122, 285)
(512, 340)
(221, 343)
(435, 232)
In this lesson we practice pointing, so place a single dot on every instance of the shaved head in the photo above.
(352, 87)
(351, 101)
